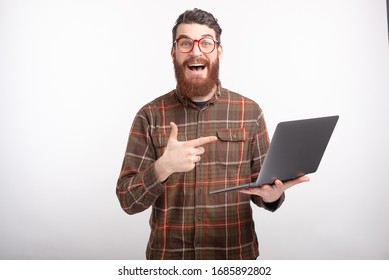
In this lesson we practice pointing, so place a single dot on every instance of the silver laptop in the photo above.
(296, 149)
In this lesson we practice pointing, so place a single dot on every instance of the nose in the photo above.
(196, 48)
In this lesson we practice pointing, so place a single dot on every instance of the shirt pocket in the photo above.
(233, 156)
(160, 141)
(233, 147)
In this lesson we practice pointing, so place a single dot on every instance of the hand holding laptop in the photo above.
(271, 193)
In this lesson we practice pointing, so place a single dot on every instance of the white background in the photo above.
(73, 74)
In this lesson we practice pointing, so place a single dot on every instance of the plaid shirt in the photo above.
(186, 221)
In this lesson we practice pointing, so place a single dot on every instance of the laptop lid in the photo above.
(296, 149)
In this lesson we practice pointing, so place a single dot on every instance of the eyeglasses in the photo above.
(185, 45)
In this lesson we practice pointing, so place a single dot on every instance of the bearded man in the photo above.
(195, 139)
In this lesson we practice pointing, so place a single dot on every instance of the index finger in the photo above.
(201, 141)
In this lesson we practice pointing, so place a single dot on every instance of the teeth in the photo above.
(196, 65)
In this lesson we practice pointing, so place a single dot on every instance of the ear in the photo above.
(220, 52)
(172, 53)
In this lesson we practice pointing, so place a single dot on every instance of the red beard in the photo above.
(192, 88)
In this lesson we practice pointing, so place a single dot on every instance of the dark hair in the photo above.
(200, 17)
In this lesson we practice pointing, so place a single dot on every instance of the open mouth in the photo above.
(196, 67)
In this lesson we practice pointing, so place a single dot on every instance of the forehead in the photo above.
(194, 30)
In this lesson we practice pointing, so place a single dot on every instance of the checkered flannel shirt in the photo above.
(186, 221)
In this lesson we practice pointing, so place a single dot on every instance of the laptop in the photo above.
(296, 149)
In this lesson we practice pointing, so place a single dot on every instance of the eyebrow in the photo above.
(202, 36)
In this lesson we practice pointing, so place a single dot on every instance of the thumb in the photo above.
(173, 133)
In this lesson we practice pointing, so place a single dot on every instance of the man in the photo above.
(195, 139)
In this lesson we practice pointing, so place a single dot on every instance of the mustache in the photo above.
(198, 60)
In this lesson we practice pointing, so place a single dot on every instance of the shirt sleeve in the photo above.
(273, 206)
(261, 144)
(137, 186)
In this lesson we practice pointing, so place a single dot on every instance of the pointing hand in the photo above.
(180, 156)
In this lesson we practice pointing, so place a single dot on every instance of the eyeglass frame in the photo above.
(215, 44)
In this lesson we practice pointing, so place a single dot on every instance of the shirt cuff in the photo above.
(273, 206)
